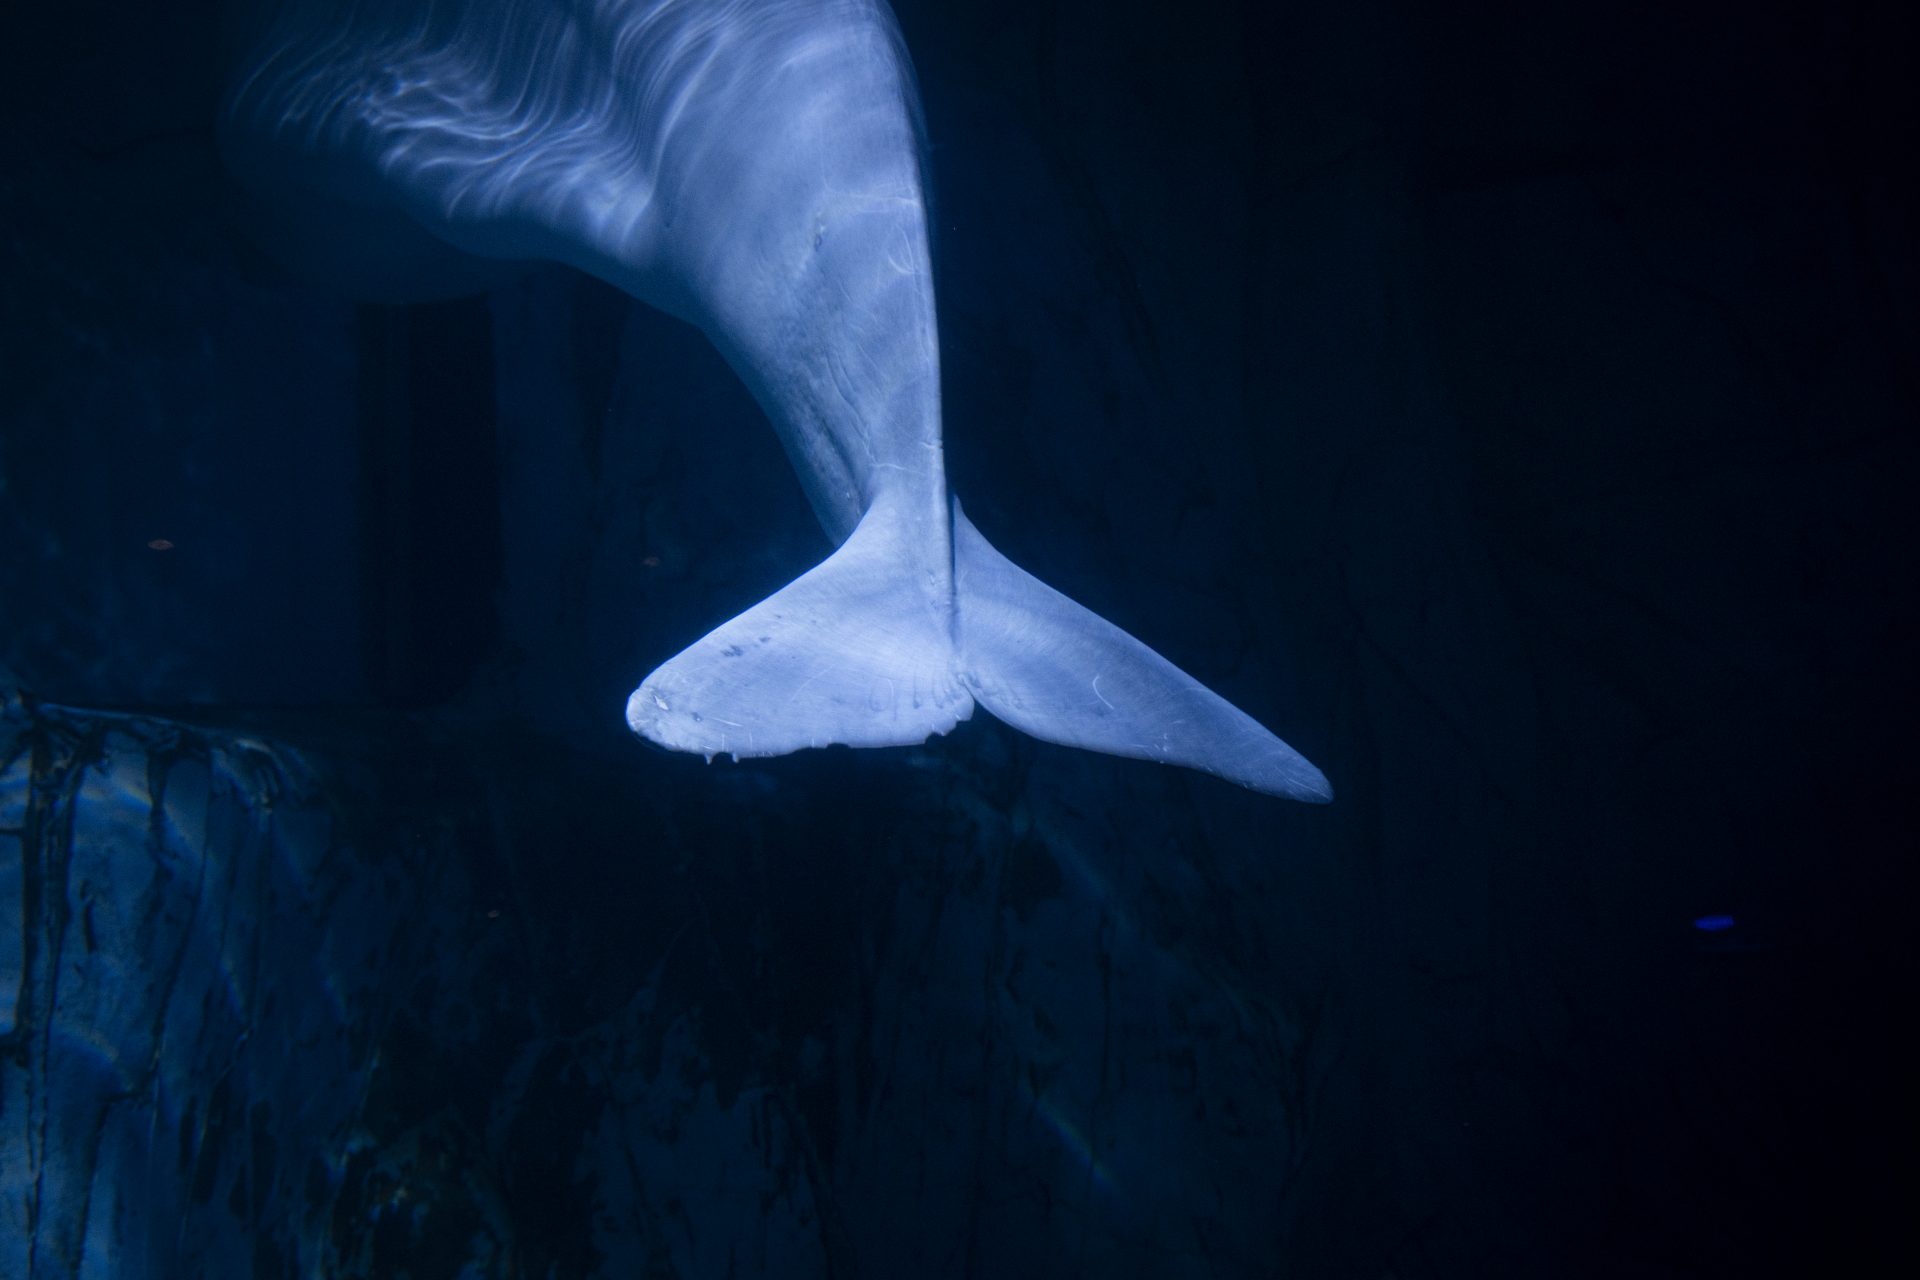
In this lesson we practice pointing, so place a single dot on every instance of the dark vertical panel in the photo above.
(431, 523)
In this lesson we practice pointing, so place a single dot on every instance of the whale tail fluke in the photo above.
(1062, 673)
(852, 652)
(858, 652)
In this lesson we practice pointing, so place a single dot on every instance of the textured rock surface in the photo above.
(194, 980)
(273, 1018)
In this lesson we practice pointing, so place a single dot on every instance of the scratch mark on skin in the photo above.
(1102, 696)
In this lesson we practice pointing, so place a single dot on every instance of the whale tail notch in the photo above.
(853, 652)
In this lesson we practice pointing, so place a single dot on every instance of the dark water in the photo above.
(1516, 410)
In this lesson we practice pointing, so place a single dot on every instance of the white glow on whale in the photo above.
(756, 167)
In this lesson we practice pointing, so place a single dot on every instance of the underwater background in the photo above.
(1513, 406)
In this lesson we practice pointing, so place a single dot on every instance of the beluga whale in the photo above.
(759, 169)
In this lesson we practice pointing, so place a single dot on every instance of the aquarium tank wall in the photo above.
(1512, 408)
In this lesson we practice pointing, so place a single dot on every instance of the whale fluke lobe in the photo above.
(757, 168)
(855, 652)
(1062, 673)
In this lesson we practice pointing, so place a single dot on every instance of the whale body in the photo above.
(756, 167)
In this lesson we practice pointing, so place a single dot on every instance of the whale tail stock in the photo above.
(852, 653)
